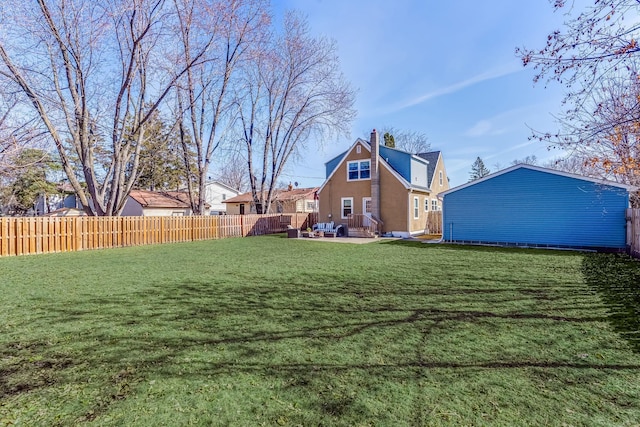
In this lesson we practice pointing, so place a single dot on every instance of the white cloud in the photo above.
(488, 75)
(481, 128)
(510, 149)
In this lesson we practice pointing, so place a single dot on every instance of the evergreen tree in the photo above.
(389, 140)
(478, 170)
(29, 181)
(161, 166)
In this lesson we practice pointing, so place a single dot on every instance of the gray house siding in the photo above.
(526, 206)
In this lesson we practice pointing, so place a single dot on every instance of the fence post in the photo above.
(4, 236)
(629, 218)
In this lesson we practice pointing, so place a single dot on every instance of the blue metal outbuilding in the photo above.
(528, 205)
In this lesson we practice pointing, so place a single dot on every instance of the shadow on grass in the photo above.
(312, 341)
(480, 248)
(617, 279)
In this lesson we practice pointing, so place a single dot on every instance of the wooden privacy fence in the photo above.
(633, 232)
(38, 235)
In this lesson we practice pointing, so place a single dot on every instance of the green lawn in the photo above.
(272, 331)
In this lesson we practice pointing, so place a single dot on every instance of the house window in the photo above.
(416, 208)
(311, 206)
(358, 149)
(347, 206)
(359, 169)
(440, 176)
(434, 204)
(426, 204)
(224, 196)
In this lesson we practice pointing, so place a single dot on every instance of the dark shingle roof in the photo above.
(432, 158)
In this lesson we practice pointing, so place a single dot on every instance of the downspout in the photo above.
(441, 239)
(409, 207)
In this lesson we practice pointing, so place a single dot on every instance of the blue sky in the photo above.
(446, 69)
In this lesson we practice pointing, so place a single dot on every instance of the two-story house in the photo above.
(395, 188)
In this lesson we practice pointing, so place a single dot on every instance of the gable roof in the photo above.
(337, 161)
(222, 185)
(279, 195)
(432, 157)
(332, 164)
(162, 199)
(540, 169)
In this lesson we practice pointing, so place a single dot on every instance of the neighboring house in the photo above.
(66, 212)
(158, 203)
(64, 197)
(216, 193)
(532, 206)
(392, 186)
(291, 200)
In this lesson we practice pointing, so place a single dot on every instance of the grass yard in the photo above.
(278, 332)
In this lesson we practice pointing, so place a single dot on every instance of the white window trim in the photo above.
(434, 204)
(342, 199)
(441, 178)
(416, 208)
(426, 204)
(358, 162)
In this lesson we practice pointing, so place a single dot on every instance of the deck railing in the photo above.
(39, 235)
(366, 222)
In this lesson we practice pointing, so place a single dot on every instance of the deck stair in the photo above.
(363, 226)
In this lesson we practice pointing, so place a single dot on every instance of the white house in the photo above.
(215, 195)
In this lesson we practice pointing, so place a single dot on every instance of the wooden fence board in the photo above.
(4, 236)
(35, 235)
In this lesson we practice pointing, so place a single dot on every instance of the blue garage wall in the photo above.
(526, 206)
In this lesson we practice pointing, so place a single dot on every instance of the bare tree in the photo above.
(527, 160)
(604, 133)
(230, 27)
(411, 141)
(233, 171)
(576, 165)
(89, 70)
(10, 144)
(17, 131)
(594, 43)
(292, 91)
(596, 57)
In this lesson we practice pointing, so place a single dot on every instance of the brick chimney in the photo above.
(375, 174)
